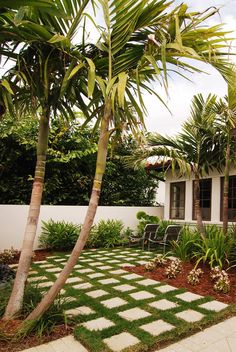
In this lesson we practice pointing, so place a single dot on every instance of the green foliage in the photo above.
(183, 249)
(216, 248)
(163, 224)
(32, 297)
(107, 233)
(6, 273)
(145, 219)
(59, 235)
(70, 166)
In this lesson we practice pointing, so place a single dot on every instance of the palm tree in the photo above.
(39, 83)
(134, 49)
(195, 150)
(225, 123)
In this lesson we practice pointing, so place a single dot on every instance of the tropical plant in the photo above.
(133, 50)
(145, 219)
(184, 247)
(59, 235)
(39, 83)
(215, 249)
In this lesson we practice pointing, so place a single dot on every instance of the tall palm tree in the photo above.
(225, 124)
(134, 49)
(43, 65)
(195, 150)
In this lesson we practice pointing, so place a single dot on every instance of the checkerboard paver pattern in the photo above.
(100, 294)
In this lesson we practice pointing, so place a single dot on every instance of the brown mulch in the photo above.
(204, 288)
(30, 341)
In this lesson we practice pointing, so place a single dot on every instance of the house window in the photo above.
(177, 200)
(232, 199)
(205, 199)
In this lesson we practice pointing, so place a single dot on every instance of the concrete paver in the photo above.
(118, 342)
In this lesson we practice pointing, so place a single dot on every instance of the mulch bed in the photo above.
(204, 288)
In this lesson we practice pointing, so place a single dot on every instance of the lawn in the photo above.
(111, 307)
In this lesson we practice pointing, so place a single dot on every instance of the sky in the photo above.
(181, 91)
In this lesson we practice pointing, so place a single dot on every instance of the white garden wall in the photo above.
(13, 219)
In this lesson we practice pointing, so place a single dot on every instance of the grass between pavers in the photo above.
(93, 340)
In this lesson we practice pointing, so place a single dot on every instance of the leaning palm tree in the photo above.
(38, 79)
(134, 50)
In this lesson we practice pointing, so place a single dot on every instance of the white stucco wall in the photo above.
(215, 196)
(13, 219)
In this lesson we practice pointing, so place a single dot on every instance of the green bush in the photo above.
(216, 248)
(145, 219)
(184, 248)
(59, 235)
(107, 233)
(163, 224)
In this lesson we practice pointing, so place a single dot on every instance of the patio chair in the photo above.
(149, 232)
(172, 233)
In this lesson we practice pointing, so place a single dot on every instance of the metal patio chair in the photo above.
(172, 233)
(149, 232)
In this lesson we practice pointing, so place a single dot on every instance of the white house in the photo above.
(179, 200)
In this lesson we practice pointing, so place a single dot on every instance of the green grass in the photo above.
(93, 340)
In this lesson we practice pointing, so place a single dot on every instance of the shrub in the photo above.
(59, 235)
(107, 233)
(8, 256)
(163, 224)
(6, 273)
(184, 248)
(221, 278)
(145, 219)
(216, 248)
(173, 269)
(193, 277)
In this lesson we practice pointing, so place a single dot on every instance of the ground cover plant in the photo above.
(101, 289)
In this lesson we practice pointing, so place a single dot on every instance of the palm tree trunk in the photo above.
(226, 190)
(91, 212)
(197, 205)
(16, 298)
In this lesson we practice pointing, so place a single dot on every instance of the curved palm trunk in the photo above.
(197, 205)
(226, 190)
(16, 298)
(91, 212)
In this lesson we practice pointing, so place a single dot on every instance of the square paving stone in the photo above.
(188, 296)
(148, 282)
(121, 341)
(141, 295)
(165, 288)
(132, 276)
(163, 304)
(157, 327)
(104, 267)
(97, 293)
(98, 324)
(125, 264)
(60, 260)
(37, 278)
(134, 314)
(142, 262)
(53, 270)
(113, 261)
(124, 288)
(118, 272)
(95, 275)
(84, 271)
(95, 263)
(108, 281)
(45, 284)
(78, 266)
(83, 310)
(114, 302)
(86, 260)
(44, 266)
(83, 286)
(73, 279)
(214, 305)
(190, 315)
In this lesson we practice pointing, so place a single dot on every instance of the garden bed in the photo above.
(204, 288)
